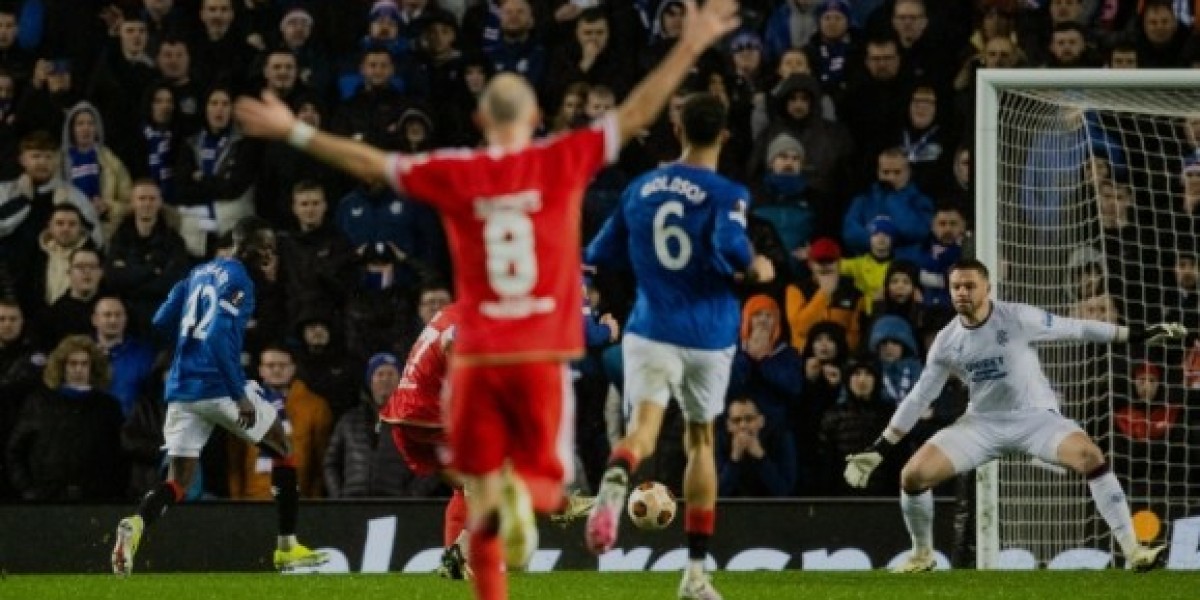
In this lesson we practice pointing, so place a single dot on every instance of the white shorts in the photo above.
(657, 371)
(976, 438)
(188, 424)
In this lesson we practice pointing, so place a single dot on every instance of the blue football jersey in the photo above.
(207, 312)
(682, 229)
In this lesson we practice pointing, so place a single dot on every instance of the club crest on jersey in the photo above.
(1001, 337)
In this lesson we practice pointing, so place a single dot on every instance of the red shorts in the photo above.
(422, 447)
(523, 413)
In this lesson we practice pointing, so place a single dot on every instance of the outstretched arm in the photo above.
(701, 28)
(271, 119)
(1043, 326)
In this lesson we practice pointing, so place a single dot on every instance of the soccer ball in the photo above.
(651, 506)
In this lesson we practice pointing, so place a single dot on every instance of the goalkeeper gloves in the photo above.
(860, 466)
(1158, 334)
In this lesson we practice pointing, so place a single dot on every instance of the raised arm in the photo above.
(271, 119)
(701, 28)
(1044, 326)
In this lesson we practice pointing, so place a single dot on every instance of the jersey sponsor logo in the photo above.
(1049, 320)
(986, 369)
(1001, 337)
(675, 185)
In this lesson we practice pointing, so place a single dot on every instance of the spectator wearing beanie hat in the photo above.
(362, 460)
(314, 66)
(868, 269)
(833, 49)
(782, 197)
(825, 296)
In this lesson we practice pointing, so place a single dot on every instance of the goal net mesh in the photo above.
(1091, 188)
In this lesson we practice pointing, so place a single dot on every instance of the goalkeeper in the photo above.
(1012, 409)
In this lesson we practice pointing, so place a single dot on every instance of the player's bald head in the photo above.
(507, 100)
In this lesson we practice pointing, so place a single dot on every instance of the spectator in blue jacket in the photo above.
(894, 196)
(895, 346)
(766, 368)
(935, 257)
(758, 456)
(518, 49)
(132, 359)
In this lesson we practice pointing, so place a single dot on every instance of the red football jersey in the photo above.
(512, 219)
(418, 397)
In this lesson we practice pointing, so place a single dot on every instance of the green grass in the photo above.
(970, 585)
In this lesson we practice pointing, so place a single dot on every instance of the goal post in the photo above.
(1057, 154)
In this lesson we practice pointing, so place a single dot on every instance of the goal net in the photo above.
(1083, 207)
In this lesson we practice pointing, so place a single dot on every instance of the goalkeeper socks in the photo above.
(485, 559)
(456, 517)
(158, 500)
(918, 517)
(287, 497)
(1110, 501)
(699, 524)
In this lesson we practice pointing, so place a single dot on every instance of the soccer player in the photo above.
(682, 228)
(512, 213)
(418, 427)
(207, 312)
(990, 346)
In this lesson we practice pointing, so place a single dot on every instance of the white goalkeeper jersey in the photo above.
(997, 360)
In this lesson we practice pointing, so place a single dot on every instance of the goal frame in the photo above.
(989, 85)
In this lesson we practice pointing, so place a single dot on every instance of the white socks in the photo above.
(1110, 501)
(285, 542)
(695, 568)
(918, 517)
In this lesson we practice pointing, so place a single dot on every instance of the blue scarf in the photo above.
(211, 147)
(161, 159)
(85, 171)
(785, 187)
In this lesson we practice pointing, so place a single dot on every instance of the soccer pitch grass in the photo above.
(966, 585)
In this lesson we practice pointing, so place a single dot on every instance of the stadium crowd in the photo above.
(850, 120)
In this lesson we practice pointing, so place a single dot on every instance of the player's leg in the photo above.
(955, 449)
(421, 447)
(651, 370)
(289, 553)
(702, 400)
(478, 447)
(1075, 450)
(185, 431)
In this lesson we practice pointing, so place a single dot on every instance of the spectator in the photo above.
(854, 421)
(1123, 55)
(13, 59)
(66, 445)
(132, 359)
(901, 294)
(825, 296)
(765, 368)
(124, 71)
(146, 256)
(895, 196)
(834, 48)
(926, 138)
(518, 49)
(590, 58)
(922, 48)
(322, 361)
(439, 54)
(362, 460)
(71, 314)
(375, 104)
(1161, 37)
(571, 106)
(758, 457)
(1100, 306)
(281, 74)
(782, 197)
(21, 365)
(174, 61)
(156, 144)
(314, 67)
(215, 174)
(869, 270)
(875, 98)
(791, 25)
(63, 235)
(1181, 299)
(309, 424)
(142, 438)
(317, 256)
(51, 93)
(93, 168)
(1154, 441)
(895, 347)
(8, 134)
(220, 52)
(935, 257)
(1069, 48)
(1036, 33)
